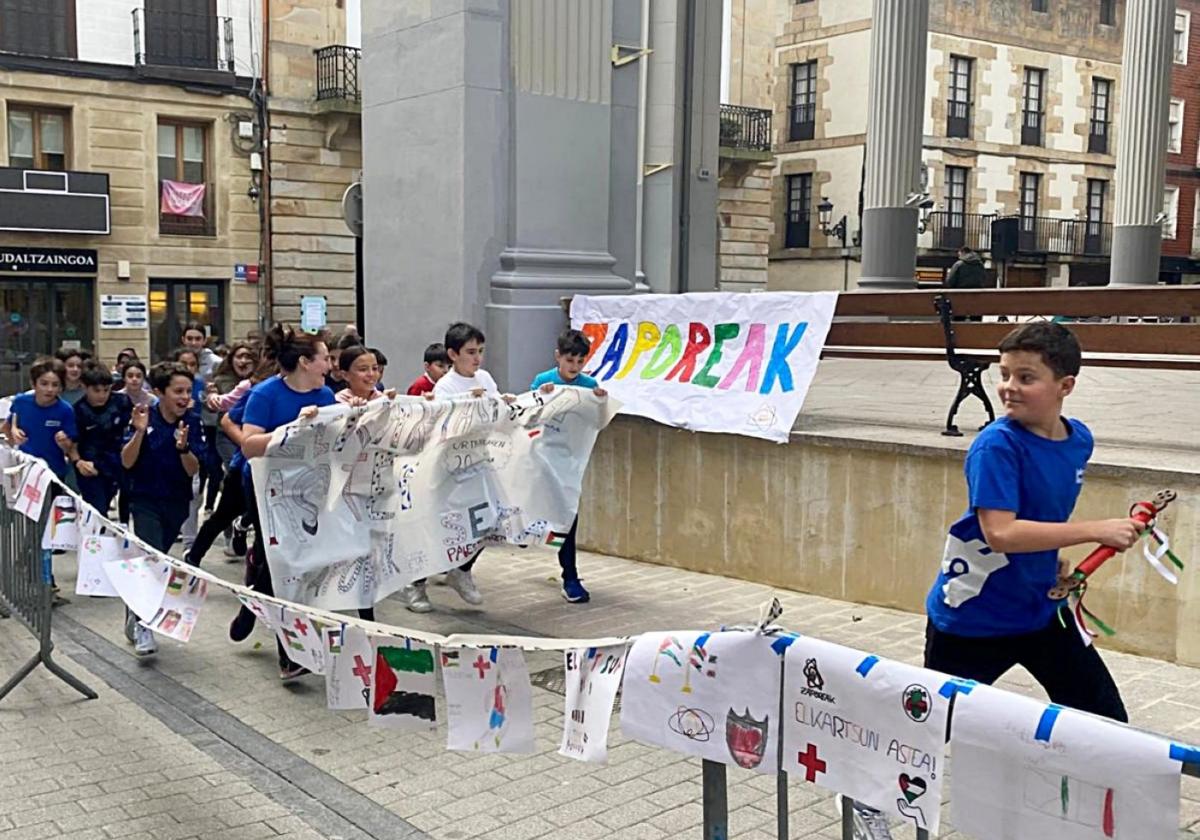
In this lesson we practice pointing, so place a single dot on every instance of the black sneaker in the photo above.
(238, 543)
(242, 626)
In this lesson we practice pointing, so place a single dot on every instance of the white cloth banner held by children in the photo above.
(866, 727)
(358, 502)
(708, 695)
(708, 362)
(1025, 769)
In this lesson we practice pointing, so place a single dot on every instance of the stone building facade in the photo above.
(1181, 202)
(98, 108)
(1019, 111)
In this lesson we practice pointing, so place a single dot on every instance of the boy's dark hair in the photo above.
(62, 355)
(436, 352)
(573, 343)
(96, 374)
(349, 340)
(180, 352)
(459, 333)
(380, 359)
(1057, 345)
(48, 364)
(163, 372)
(194, 326)
(134, 363)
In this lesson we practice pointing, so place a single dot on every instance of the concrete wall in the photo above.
(855, 521)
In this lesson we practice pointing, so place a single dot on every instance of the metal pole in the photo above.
(716, 801)
(781, 779)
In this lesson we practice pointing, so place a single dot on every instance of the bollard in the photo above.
(716, 801)
(25, 594)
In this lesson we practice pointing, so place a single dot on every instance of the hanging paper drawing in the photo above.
(91, 579)
(489, 700)
(181, 605)
(269, 618)
(31, 496)
(866, 727)
(348, 669)
(403, 685)
(1026, 769)
(303, 640)
(141, 582)
(709, 695)
(593, 676)
(62, 526)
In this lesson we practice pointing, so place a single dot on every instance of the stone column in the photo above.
(896, 102)
(1146, 60)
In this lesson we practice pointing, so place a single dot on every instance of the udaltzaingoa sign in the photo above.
(709, 362)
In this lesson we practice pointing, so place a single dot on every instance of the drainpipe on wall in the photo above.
(685, 158)
(265, 294)
(639, 269)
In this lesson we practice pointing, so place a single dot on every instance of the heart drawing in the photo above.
(913, 787)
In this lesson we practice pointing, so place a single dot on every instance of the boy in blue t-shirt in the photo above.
(101, 418)
(569, 356)
(989, 608)
(40, 422)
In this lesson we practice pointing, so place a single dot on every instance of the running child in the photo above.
(569, 355)
(989, 609)
(101, 418)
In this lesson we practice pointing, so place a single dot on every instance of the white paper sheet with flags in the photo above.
(1023, 768)
(360, 501)
(709, 695)
(350, 659)
(711, 361)
(489, 700)
(867, 727)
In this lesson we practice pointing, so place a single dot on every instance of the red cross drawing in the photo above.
(811, 763)
(482, 666)
(301, 626)
(362, 670)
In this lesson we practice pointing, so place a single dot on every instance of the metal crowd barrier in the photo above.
(25, 593)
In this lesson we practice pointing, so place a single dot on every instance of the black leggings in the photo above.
(1072, 673)
(231, 505)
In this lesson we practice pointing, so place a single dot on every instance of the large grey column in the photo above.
(1142, 141)
(896, 99)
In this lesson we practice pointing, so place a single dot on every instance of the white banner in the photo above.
(708, 362)
(359, 502)
(867, 727)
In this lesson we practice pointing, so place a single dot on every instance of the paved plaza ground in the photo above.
(203, 742)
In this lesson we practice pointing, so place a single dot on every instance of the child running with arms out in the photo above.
(163, 450)
(569, 355)
(989, 608)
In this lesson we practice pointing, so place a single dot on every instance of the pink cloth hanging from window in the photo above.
(180, 199)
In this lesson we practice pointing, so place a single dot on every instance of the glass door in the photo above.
(176, 303)
(41, 315)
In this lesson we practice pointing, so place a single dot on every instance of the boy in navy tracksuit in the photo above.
(163, 450)
(101, 418)
(989, 609)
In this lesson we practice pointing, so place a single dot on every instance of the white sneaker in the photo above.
(130, 625)
(416, 598)
(462, 583)
(144, 643)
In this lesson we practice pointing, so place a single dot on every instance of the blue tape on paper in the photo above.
(1046, 724)
(494, 654)
(1185, 752)
(700, 640)
(866, 665)
(952, 687)
(783, 641)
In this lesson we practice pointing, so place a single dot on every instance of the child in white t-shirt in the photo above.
(464, 346)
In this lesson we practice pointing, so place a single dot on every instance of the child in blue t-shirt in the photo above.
(40, 422)
(989, 608)
(569, 356)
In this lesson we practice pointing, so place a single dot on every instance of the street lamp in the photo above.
(926, 207)
(825, 216)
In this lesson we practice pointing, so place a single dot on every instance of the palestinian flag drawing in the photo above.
(555, 539)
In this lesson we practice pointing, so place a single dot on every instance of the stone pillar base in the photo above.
(889, 249)
(1135, 252)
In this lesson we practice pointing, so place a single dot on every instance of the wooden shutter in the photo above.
(181, 33)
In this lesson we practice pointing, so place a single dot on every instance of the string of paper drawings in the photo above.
(851, 722)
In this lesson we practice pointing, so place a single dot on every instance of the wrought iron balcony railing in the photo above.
(337, 73)
(181, 39)
(746, 128)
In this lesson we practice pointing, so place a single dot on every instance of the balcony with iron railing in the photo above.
(337, 78)
(745, 133)
(203, 224)
(1036, 235)
(165, 43)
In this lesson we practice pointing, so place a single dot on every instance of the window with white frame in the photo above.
(1170, 225)
(1196, 224)
(1183, 23)
(1175, 127)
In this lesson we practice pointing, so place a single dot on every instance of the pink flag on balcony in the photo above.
(180, 199)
